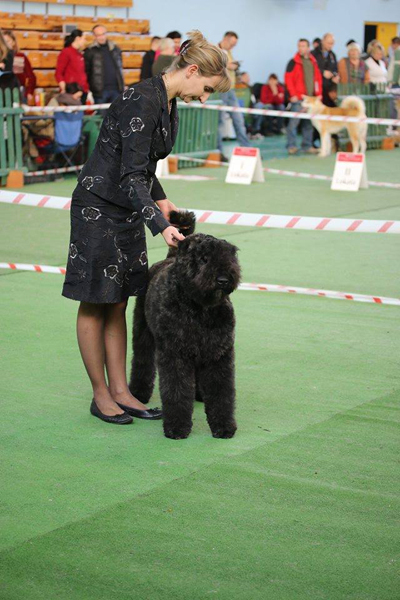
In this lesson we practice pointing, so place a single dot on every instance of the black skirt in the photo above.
(107, 259)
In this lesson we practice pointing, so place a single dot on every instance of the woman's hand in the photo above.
(172, 236)
(166, 206)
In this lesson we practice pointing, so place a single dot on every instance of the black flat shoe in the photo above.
(152, 414)
(123, 419)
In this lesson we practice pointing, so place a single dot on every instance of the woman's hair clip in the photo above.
(184, 47)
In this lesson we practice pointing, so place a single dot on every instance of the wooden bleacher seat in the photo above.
(55, 23)
(115, 3)
(41, 37)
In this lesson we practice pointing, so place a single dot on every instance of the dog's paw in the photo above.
(176, 435)
(225, 432)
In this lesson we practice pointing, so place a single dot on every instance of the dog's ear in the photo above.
(183, 220)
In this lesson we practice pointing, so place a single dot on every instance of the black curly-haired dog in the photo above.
(185, 325)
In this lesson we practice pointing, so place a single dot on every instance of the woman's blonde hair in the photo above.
(11, 35)
(4, 49)
(210, 59)
(375, 45)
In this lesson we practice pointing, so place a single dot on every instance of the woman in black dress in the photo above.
(117, 194)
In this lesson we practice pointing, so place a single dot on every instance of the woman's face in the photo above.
(354, 54)
(9, 41)
(377, 54)
(197, 87)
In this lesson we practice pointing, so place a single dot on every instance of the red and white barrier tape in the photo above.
(218, 163)
(171, 176)
(257, 287)
(234, 218)
(37, 268)
(224, 108)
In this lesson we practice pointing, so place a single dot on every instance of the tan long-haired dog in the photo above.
(352, 106)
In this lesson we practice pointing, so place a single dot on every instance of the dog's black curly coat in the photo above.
(185, 325)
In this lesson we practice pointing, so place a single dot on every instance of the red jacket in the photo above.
(71, 68)
(267, 96)
(23, 70)
(294, 77)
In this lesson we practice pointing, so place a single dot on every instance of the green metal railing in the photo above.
(377, 104)
(198, 132)
(10, 133)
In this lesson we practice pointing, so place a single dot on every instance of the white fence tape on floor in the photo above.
(224, 108)
(234, 218)
(254, 287)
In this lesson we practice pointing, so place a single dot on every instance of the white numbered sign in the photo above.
(245, 166)
(350, 172)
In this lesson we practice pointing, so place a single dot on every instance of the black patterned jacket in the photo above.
(136, 132)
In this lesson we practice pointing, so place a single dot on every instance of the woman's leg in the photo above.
(90, 330)
(115, 355)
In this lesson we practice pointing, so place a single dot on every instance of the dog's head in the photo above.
(312, 104)
(207, 268)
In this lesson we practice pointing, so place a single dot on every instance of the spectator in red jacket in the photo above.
(71, 65)
(21, 67)
(302, 78)
(272, 96)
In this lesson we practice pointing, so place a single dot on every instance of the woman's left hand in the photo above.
(166, 206)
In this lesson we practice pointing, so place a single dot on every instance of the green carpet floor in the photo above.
(302, 504)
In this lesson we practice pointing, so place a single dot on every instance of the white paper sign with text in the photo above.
(350, 172)
(245, 166)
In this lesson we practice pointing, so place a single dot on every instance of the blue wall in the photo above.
(268, 29)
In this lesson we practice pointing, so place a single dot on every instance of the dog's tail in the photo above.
(354, 103)
(185, 222)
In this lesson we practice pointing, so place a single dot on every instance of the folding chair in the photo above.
(68, 139)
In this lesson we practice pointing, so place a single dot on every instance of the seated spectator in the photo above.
(394, 82)
(148, 58)
(21, 68)
(272, 97)
(71, 97)
(166, 57)
(71, 64)
(7, 77)
(302, 78)
(375, 63)
(353, 69)
(103, 64)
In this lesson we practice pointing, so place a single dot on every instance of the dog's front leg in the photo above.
(325, 144)
(216, 382)
(177, 390)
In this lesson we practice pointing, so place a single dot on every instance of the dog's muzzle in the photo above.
(223, 282)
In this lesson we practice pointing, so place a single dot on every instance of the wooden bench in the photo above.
(48, 59)
(55, 23)
(47, 79)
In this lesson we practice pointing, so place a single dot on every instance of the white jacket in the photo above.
(378, 73)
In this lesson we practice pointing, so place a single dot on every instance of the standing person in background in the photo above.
(353, 69)
(395, 45)
(71, 65)
(103, 63)
(375, 62)
(272, 97)
(228, 42)
(7, 77)
(327, 64)
(148, 58)
(177, 38)
(302, 78)
(316, 43)
(165, 58)
(21, 67)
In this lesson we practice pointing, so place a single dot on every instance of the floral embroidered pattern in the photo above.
(89, 182)
(90, 213)
(112, 272)
(73, 251)
(127, 95)
(148, 213)
(132, 218)
(135, 124)
(165, 133)
(143, 258)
